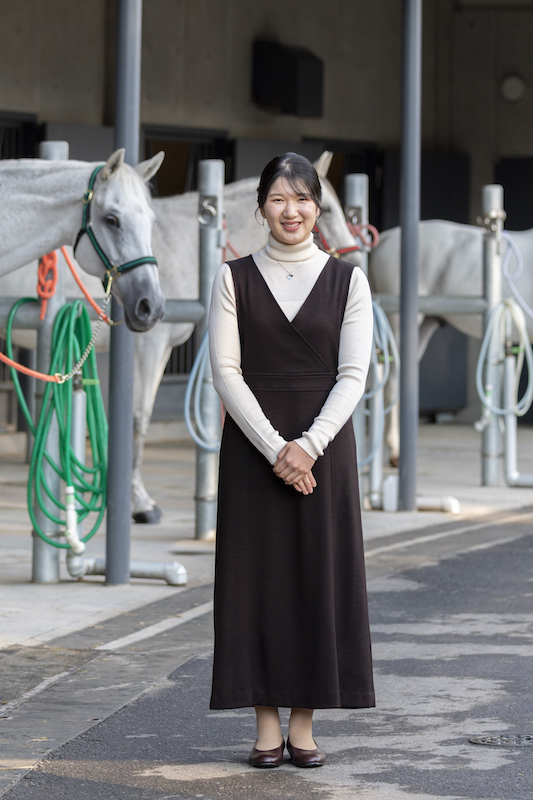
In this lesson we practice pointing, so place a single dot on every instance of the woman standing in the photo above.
(290, 339)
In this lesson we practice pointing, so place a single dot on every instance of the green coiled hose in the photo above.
(70, 336)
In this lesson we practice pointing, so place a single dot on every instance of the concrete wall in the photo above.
(486, 46)
(52, 59)
(56, 60)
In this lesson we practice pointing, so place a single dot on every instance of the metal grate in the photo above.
(504, 740)
(182, 357)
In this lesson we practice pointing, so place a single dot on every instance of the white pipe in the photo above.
(376, 429)
(172, 572)
(512, 475)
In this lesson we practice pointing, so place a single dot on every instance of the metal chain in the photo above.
(90, 345)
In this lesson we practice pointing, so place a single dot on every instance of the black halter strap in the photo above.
(112, 270)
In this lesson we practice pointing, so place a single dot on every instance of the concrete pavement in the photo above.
(51, 635)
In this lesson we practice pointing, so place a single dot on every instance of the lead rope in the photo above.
(102, 317)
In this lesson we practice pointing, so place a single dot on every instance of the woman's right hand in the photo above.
(306, 484)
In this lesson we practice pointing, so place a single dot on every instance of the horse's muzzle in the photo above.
(144, 314)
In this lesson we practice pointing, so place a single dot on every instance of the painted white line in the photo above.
(158, 627)
(434, 536)
(487, 545)
(35, 691)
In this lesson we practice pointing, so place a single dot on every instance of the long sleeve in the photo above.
(225, 352)
(354, 357)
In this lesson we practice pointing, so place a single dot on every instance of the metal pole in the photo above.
(409, 219)
(28, 384)
(356, 211)
(210, 216)
(120, 458)
(493, 215)
(45, 558)
(356, 207)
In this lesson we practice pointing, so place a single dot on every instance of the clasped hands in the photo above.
(293, 466)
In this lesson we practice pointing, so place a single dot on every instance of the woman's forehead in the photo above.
(287, 187)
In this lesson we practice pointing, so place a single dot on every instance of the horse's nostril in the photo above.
(143, 309)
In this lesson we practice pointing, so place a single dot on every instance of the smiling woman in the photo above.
(291, 215)
(289, 199)
(289, 361)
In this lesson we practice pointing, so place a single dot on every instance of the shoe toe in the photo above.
(266, 758)
(306, 758)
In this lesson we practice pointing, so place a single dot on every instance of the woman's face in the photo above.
(291, 216)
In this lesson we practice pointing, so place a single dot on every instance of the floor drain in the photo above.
(519, 740)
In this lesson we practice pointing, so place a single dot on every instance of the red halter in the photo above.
(336, 252)
(355, 230)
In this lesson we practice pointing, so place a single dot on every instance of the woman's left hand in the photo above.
(293, 463)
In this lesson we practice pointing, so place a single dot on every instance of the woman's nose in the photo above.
(291, 210)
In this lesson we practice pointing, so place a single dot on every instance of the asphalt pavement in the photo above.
(118, 708)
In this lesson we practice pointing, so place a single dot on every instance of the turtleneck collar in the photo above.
(291, 252)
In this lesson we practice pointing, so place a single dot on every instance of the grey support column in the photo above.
(127, 105)
(210, 216)
(493, 215)
(45, 558)
(409, 219)
(356, 207)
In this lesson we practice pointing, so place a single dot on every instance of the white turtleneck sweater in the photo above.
(306, 262)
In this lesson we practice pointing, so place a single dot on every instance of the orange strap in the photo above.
(361, 230)
(27, 371)
(46, 286)
(78, 280)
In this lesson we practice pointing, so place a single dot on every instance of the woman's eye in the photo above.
(112, 220)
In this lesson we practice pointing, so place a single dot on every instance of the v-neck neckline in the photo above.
(269, 290)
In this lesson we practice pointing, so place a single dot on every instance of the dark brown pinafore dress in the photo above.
(291, 620)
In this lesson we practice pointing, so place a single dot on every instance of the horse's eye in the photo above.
(112, 220)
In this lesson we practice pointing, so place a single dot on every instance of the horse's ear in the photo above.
(113, 163)
(147, 169)
(323, 164)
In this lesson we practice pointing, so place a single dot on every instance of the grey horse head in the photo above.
(121, 220)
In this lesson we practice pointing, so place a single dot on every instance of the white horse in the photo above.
(42, 204)
(451, 263)
(175, 244)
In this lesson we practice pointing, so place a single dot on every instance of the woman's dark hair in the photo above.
(298, 173)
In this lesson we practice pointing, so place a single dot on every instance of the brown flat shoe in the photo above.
(306, 758)
(267, 758)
